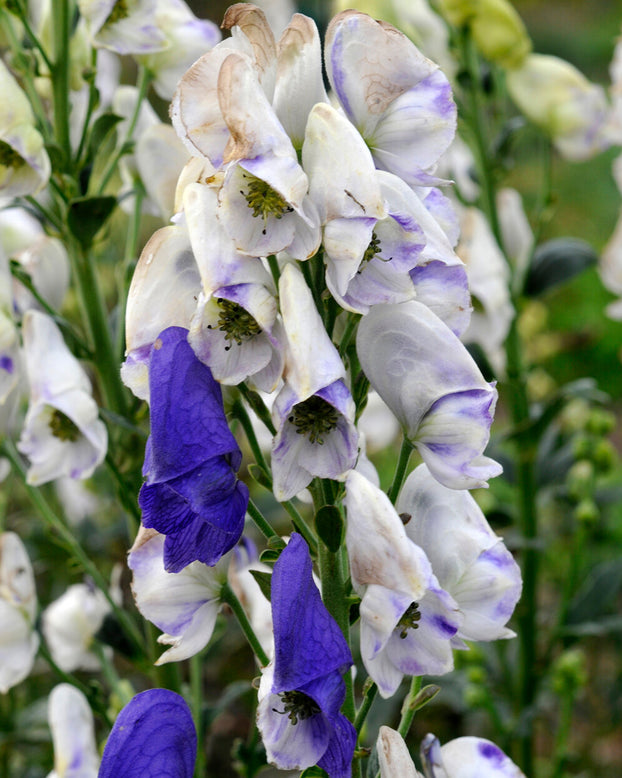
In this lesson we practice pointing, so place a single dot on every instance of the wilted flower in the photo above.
(192, 494)
(73, 734)
(399, 100)
(62, 434)
(302, 689)
(184, 605)
(18, 608)
(154, 735)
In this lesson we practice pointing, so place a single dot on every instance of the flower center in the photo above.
(263, 199)
(9, 157)
(314, 417)
(409, 619)
(62, 427)
(236, 322)
(298, 705)
(119, 11)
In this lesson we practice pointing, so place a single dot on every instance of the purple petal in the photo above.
(188, 424)
(153, 737)
(308, 641)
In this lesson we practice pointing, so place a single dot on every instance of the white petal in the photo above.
(393, 755)
(73, 733)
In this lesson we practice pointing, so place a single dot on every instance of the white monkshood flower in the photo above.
(69, 625)
(557, 97)
(489, 282)
(62, 433)
(464, 757)
(314, 411)
(431, 383)
(123, 26)
(73, 734)
(407, 619)
(163, 293)
(160, 157)
(24, 163)
(47, 264)
(469, 560)
(18, 609)
(186, 39)
(234, 330)
(184, 605)
(399, 100)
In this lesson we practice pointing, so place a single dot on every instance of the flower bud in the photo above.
(558, 98)
(499, 33)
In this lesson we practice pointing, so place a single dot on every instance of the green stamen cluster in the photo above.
(298, 705)
(236, 322)
(314, 417)
(264, 200)
(372, 249)
(409, 619)
(9, 157)
(119, 11)
(62, 427)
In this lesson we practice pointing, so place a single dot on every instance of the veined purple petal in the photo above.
(153, 737)
(308, 642)
(188, 424)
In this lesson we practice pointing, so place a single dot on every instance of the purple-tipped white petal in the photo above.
(433, 386)
(469, 560)
(474, 757)
(183, 605)
(73, 734)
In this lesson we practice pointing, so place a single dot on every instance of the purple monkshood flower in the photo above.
(153, 737)
(302, 688)
(192, 494)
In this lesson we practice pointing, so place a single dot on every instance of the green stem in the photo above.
(261, 522)
(96, 319)
(370, 690)
(61, 34)
(239, 411)
(408, 708)
(400, 470)
(228, 596)
(196, 686)
(350, 329)
(92, 104)
(72, 546)
(127, 267)
(143, 83)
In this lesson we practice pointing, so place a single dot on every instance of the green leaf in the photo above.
(556, 262)
(101, 130)
(330, 527)
(87, 215)
(269, 556)
(313, 772)
(259, 475)
(264, 580)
